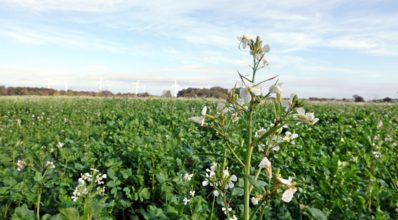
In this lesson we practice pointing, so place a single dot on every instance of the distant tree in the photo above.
(358, 98)
(387, 99)
(166, 93)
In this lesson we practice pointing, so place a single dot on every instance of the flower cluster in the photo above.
(21, 165)
(288, 194)
(87, 182)
(221, 182)
(307, 118)
(200, 119)
(50, 164)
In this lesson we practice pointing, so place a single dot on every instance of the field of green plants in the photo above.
(100, 158)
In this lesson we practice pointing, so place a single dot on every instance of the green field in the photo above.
(345, 166)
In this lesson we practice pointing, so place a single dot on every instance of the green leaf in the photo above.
(317, 213)
(23, 213)
(70, 213)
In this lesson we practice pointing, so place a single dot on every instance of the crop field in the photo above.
(115, 158)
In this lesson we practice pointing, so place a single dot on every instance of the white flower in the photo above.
(200, 119)
(192, 193)
(225, 173)
(254, 200)
(376, 154)
(244, 41)
(60, 144)
(287, 196)
(276, 88)
(216, 193)
(186, 201)
(234, 178)
(244, 95)
(308, 118)
(204, 111)
(233, 218)
(205, 183)
(21, 165)
(187, 177)
(260, 132)
(287, 182)
(50, 164)
(225, 210)
(264, 163)
(289, 136)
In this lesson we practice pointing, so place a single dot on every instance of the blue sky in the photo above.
(319, 48)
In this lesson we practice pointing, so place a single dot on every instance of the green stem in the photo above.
(38, 204)
(212, 207)
(249, 151)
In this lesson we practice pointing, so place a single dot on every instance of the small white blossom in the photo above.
(192, 193)
(225, 210)
(276, 88)
(245, 96)
(60, 144)
(289, 136)
(21, 165)
(260, 132)
(233, 218)
(376, 154)
(308, 118)
(188, 177)
(186, 201)
(216, 193)
(244, 41)
(287, 182)
(50, 164)
(254, 200)
(200, 119)
(265, 163)
(287, 196)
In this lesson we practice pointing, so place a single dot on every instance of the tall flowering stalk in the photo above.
(240, 108)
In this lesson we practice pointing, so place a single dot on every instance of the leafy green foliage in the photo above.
(346, 165)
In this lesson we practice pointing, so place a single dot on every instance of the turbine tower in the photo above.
(66, 86)
(100, 84)
(175, 86)
(136, 85)
(48, 83)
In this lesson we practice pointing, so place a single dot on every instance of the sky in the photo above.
(333, 49)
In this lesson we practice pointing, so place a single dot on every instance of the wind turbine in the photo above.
(100, 84)
(66, 86)
(175, 86)
(136, 85)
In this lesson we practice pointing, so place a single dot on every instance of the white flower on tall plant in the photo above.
(233, 217)
(226, 210)
(287, 182)
(245, 96)
(21, 165)
(200, 119)
(186, 201)
(265, 163)
(255, 199)
(244, 41)
(308, 118)
(289, 136)
(192, 193)
(187, 177)
(50, 164)
(260, 132)
(287, 196)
